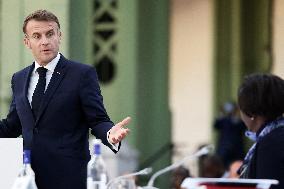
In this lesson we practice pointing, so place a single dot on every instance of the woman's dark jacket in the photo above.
(268, 159)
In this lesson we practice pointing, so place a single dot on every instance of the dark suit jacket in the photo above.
(58, 138)
(268, 160)
(230, 145)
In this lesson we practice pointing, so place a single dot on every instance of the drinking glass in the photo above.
(123, 184)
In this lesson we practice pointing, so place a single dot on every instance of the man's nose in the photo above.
(44, 40)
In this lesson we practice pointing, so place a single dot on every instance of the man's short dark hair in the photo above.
(262, 95)
(40, 15)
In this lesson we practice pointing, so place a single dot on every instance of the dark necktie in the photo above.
(39, 90)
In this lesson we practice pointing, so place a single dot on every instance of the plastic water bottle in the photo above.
(27, 169)
(26, 177)
(96, 170)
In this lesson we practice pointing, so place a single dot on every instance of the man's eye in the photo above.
(50, 34)
(35, 36)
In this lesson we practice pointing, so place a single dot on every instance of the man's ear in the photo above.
(27, 42)
(60, 36)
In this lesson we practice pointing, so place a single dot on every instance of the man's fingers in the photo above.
(124, 122)
(114, 140)
(118, 132)
(120, 136)
(127, 131)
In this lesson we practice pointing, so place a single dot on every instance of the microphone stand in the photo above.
(203, 151)
(145, 171)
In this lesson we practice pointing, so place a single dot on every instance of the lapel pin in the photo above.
(58, 73)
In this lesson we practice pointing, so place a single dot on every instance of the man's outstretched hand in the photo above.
(119, 131)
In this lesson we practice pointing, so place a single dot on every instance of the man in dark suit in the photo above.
(55, 103)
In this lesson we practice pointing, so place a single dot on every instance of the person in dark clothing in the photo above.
(55, 102)
(261, 102)
(230, 130)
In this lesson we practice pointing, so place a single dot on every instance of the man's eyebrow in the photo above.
(51, 30)
(36, 33)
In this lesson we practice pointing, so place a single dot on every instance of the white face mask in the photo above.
(251, 135)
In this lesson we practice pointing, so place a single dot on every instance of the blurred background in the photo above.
(169, 64)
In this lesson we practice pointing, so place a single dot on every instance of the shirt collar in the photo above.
(50, 66)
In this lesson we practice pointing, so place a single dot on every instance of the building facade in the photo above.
(167, 64)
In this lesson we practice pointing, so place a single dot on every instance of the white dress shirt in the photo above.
(50, 69)
(34, 76)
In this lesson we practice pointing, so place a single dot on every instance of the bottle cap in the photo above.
(97, 146)
(27, 157)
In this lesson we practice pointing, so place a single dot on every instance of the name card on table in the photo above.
(226, 183)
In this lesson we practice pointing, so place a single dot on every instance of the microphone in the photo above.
(145, 171)
(203, 151)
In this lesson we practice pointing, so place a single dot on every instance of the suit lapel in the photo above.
(26, 103)
(56, 79)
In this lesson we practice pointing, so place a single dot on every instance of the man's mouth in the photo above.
(46, 50)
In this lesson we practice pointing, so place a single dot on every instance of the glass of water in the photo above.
(123, 184)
